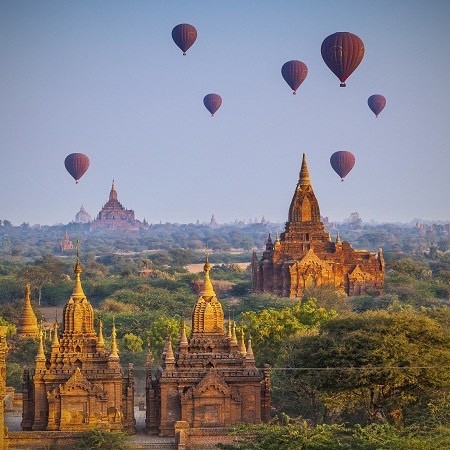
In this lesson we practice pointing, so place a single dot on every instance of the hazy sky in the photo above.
(105, 78)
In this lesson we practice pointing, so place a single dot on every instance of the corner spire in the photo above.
(55, 341)
(242, 349)
(304, 179)
(234, 340)
(101, 340)
(114, 350)
(40, 357)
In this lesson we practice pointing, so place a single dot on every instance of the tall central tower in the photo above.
(305, 256)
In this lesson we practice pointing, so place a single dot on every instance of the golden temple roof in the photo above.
(28, 324)
(207, 316)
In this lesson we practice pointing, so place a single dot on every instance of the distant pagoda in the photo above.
(114, 216)
(66, 244)
(27, 326)
(82, 216)
(304, 255)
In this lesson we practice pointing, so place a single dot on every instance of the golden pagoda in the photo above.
(79, 384)
(208, 384)
(28, 325)
(305, 256)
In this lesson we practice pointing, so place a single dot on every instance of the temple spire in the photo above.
(242, 348)
(208, 290)
(101, 340)
(234, 340)
(183, 344)
(229, 334)
(114, 350)
(55, 341)
(40, 357)
(304, 179)
(113, 192)
(28, 324)
(78, 289)
(249, 357)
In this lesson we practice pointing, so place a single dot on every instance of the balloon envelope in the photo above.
(342, 162)
(76, 164)
(294, 73)
(184, 35)
(376, 103)
(342, 53)
(212, 102)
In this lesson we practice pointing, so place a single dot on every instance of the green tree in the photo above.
(375, 366)
(133, 343)
(271, 328)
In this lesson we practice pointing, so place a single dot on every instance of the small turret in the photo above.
(40, 357)
(101, 340)
(242, 349)
(114, 350)
(183, 344)
(28, 324)
(249, 357)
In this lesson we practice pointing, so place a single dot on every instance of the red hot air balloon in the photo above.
(184, 35)
(294, 73)
(342, 162)
(342, 53)
(212, 102)
(376, 103)
(76, 164)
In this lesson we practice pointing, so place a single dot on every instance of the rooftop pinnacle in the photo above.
(304, 173)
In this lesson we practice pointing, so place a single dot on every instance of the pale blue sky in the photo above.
(105, 78)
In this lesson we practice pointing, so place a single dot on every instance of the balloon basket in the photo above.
(342, 85)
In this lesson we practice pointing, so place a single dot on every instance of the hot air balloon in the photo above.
(342, 162)
(376, 103)
(76, 164)
(212, 102)
(342, 53)
(294, 73)
(184, 35)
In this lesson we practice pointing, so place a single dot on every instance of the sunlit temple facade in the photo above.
(305, 255)
(79, 384)
(210, 382)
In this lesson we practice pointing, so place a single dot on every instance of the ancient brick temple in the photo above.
(304, 255)
(114, 216)
(79, 384)
(211, 382)
(27, 326)
(66, 244)
(82, 216)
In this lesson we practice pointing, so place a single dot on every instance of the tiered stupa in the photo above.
(66, 244)
(210, 383)
(28, 324)
(80, 384)
(114, 216)
(305, 256)
(83, 216)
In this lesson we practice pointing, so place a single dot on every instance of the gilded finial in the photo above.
(304, 173)
(78, 289)
(101, 340)
(233, 335)
(249, 357)
(229, 334)
(242, 349)
(41, 354)
(338, 239)
(55, 340)
(114, 350)
(183, 337)
(170, 357)
(208, 290)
